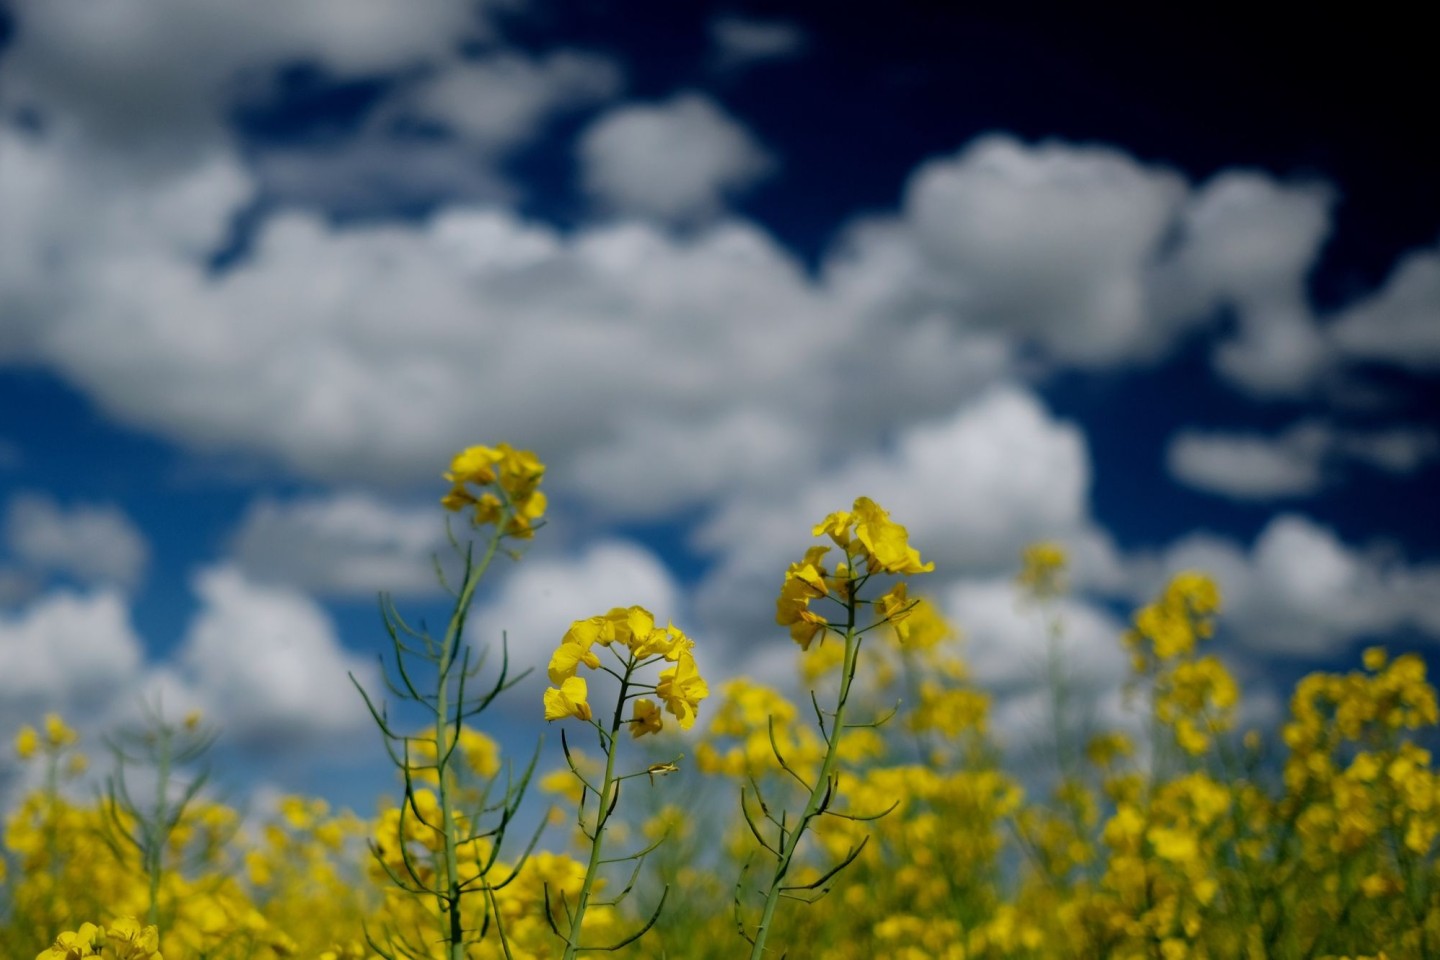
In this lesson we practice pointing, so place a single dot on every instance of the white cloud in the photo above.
(348, 544)
(155, 77)
(679, 160)
(312, 350)
(1049, 244)
(95, 544)
(1296, 462)
(1007, 641)
(1400, 324)
(1299, 590)
(1394, 450)
(267, 663)
(486, 107)
(742, 42)
(972, 490)
(1248, 243)
(1250, 466)
(66, 648)
(501, 99)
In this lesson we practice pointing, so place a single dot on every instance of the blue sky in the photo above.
(1170, 296)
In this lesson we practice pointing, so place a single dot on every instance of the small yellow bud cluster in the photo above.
(1042, 570)
(515, 473)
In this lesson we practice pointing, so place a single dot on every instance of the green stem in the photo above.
(789, 843)
(448, 897)
(155, 847)
(602, 816)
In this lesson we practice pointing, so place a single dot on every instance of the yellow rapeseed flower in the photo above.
(27, 741)
(568, 700)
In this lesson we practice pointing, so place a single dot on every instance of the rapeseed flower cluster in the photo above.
(632, 635)
(877, 803)
(504, 477)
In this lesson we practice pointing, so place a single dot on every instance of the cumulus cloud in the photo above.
(500, 99)
(268, 665)
(93, 543)
(1050, 244)
(972, 489)
(742, 42)
(1399, 324)
(311, 351)
(346, 544)
(1249, 466)
(997, 474)
(156, 77)
(1300, 591)
(1247, 243)
(675, 161)
(437, 140)
(66, 648)
(1296, 462)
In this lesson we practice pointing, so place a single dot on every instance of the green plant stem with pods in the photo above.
(635, 642)
(867, 536)
(510, 501)
(165, 747)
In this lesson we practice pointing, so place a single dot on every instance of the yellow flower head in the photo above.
(568, 700)
(887, 544)
(1042, 569)
(647, 718)
(517, 473)
(57, 734)
(27, 741)
(74, 945)
(682, 688)
(894, 608)
(473, 465)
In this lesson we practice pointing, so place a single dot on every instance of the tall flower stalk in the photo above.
(873, 545)
(499, 488)
(635, 643)
(164, 747)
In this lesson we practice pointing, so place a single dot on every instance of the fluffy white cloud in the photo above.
(486, 106)
(155, 77)
(972, 490)
(1249, 466)
(346, 544)
(1296, 462)
(98, 544)
(500, 99)
(312, 351)
(1399, 324)
(78, 221)
(1050, 244)
(1299, 590)
(1395, 450)
(678, 160)
(1006, 639)
(67, 647)
(1248, 243)
(742, 42)
(267, 664)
